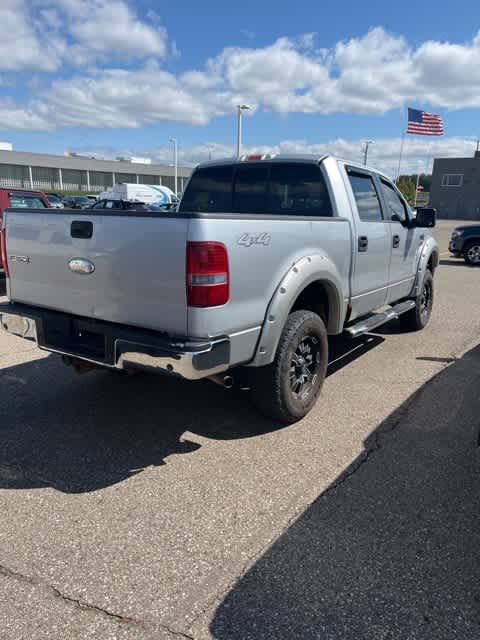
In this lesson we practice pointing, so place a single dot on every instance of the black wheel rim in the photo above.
(304, 367)
(426, 299)
(473, 253)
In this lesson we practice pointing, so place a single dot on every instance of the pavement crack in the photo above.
(88, 606)
(374, 446)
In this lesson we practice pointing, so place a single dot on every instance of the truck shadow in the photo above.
(391, 550)
(83, 433)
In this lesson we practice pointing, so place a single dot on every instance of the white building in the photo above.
(79, 173)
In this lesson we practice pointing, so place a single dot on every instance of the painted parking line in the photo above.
(445, 254)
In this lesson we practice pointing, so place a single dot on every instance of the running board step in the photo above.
(377, 319)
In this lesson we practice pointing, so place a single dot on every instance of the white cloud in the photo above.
(51, 18)
(383, 155)
(371, 74)
(23, 46)
(111, 27)
(35, 34)
(13, 116)
(118, 98)
(307, 40)
(275, 76)
(449, 73)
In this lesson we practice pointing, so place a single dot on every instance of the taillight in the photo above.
(3, 247)
(207, 274)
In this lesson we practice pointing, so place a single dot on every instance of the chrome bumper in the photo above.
(116, 346)
(205, 361)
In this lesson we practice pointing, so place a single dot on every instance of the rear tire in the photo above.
(287, 389)
(418, 317)
(472, 253)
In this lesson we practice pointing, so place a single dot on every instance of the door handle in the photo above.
(396, 241)
(362, 243)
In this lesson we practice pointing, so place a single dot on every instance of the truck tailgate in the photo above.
(139, 265)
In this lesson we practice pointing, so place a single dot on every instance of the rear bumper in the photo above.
(116, 346)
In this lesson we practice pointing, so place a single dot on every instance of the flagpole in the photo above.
(400, 158)
(416, 189)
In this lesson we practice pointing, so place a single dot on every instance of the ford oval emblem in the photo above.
(81, 265)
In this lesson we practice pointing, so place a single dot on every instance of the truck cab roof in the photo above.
(289, 158)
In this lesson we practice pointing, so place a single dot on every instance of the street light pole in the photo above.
(367, 143)
(240, 109)
(175, 162)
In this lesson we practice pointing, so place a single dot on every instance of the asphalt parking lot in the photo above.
(144, 508)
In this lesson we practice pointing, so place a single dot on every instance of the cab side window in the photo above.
(366, 196)
(395, 205)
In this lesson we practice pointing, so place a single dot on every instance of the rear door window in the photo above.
(19, 201)
(209, 190)
(250, 188)
(366, 197)
(299, 189)
(395, 205)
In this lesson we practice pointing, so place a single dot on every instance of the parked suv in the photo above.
(121, 204)
(265, 258)
(77, 202)
(20, 199)
(465, 242)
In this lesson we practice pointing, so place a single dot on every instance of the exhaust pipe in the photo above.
(226, 382)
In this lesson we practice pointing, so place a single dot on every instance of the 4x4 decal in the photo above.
(248, 239)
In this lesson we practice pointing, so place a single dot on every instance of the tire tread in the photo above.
(267, 390)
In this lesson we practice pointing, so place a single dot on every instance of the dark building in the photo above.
(455, 190)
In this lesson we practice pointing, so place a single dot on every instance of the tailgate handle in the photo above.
(81, 229)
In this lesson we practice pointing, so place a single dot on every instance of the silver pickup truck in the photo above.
(264, 259)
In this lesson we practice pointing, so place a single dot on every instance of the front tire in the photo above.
(287, 389)
(418, 317)
(472, 253)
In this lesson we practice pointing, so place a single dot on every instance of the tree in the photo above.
(406, 185)
(426, 181)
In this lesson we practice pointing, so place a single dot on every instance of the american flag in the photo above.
(422, 123)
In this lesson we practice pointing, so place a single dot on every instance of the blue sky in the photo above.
(123, 76)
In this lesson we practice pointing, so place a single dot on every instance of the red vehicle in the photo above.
(20, 199)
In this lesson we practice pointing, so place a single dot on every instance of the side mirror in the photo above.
(426, 217)
(396, 218)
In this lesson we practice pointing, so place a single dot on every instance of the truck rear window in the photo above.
(209, 190)
(250, 189)
(263, 188)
